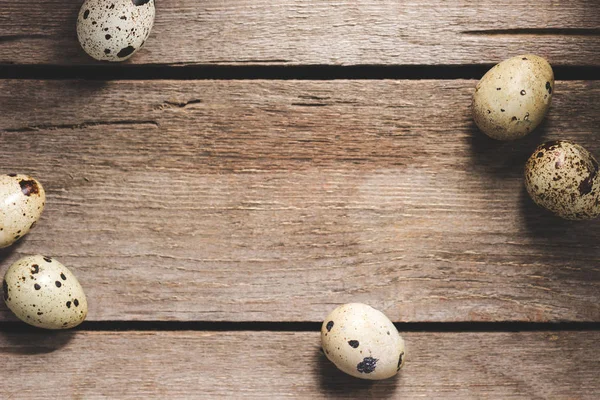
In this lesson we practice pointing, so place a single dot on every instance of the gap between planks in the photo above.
(272, 72)
(309, 326)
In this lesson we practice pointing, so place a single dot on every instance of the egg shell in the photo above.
(513, 97)
(362, 342)
(113, 30)
(563, 177)
(22, 200)
(44, 293)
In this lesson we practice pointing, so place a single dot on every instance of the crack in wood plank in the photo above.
(83, 125)
(536, 31)
(182, 104)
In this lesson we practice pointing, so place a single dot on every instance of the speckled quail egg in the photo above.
(22, 201)
(44, 293)
(362, 342)
(563, 177)
(113, 30)
(513, 97)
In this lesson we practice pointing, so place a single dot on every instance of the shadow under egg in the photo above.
(19, 338)
(338, 385)
(502, 159)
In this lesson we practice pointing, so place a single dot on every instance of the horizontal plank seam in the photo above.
(270, 72)
(536, 31)
(307, 326)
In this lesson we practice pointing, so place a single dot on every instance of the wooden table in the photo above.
(260, 162)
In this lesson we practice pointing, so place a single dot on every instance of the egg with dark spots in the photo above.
(563, 177)
(513, 97)
(361, 341)
(114, 30)
(44, 293)
(22, 200)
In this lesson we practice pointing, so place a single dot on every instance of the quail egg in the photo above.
(362, 342)
(44, 293)
(563, 177)
(113, 30)
(22, 201)
(513, 97)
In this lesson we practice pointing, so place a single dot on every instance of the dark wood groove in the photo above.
(309, 326)
(536, 31)
(82, 125)
(254, 72)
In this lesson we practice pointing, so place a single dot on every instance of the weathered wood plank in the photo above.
(237, 200)
(539, 365)
(293, 32)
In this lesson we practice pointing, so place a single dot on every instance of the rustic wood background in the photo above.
(215, 222)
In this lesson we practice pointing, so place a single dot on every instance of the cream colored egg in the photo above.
(362, 342)
(44, 293)
(512, 98)
(563, 177)
(22, 201)
(113, 30)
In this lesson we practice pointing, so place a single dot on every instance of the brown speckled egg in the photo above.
(362, 342)
(113, 30)
(44, 293)
(22, 201)
(513, 97)
(563, 177)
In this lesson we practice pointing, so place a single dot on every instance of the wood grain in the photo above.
(277, 200)
(293, 32)
(128, 365)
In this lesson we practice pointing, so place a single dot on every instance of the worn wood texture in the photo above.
(293, 32)
(276, 365)
(277, 200)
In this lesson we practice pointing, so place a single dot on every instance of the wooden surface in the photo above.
(214, 223)
(277, 365)
(296, 32)
(229, 198)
